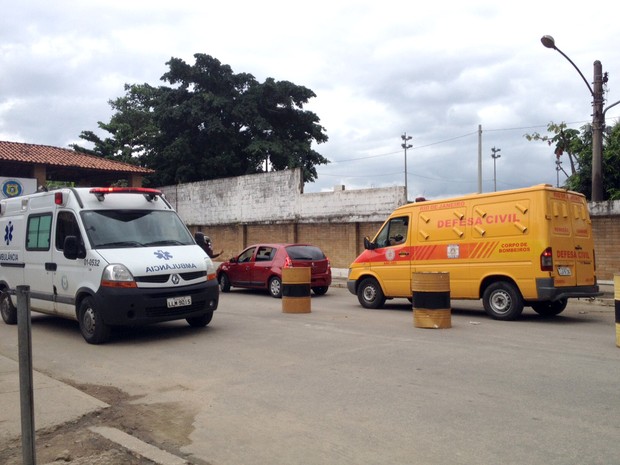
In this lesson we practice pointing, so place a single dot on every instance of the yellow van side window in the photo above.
(394, 232)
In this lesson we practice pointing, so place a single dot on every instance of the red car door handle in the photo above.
(403, 254)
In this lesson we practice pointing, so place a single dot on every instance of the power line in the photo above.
(444, 141)
(417, 147)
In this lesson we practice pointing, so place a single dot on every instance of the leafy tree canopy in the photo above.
(211, 123)
(577, 146)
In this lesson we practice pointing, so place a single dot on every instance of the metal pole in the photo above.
(406, 146)
(480, 159)
(495, 157)
(25, 374)
(598, 118)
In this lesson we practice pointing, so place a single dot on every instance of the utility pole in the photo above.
(598, 118)
(480, 159)
(405, 145)
(495, 157)
(598, 125)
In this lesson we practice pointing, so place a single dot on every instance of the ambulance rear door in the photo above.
(572, 242)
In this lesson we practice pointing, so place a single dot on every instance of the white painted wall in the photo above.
(276, 197)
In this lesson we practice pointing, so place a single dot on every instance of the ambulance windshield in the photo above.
(134, 228)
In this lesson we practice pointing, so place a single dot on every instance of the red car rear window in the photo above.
(305, 252)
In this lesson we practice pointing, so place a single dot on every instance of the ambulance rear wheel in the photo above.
(502, 301)
(92, 327)
(369, 294)
(549, 309)
(7, 309)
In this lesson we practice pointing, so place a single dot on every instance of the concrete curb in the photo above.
(137, 446)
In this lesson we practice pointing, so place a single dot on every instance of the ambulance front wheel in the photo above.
(502, 301)
(369, 294)
(200, 321)
(92, 327)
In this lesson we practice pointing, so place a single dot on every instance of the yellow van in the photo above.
(522, 247)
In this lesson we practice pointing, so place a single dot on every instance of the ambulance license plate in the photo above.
(179, 301)
(563, 271)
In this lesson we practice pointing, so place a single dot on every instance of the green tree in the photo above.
(565, 141)
(577, 145)
(212, 123)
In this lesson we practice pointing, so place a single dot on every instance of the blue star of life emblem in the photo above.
(8, 233)
(162, 254)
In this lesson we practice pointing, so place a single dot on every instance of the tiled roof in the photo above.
(54, 156)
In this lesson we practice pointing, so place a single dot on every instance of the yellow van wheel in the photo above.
(549, 309)
(502, 301)
(370, 294)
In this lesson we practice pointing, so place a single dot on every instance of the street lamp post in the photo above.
(598, 118)
(405, 145)
(495, 156)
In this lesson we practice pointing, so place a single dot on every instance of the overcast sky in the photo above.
(432, 70)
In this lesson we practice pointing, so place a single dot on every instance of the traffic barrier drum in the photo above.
(296, 290)
(431, 300)
(617, 306)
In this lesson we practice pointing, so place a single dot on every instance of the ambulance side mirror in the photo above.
(368, 245)
(73, 249)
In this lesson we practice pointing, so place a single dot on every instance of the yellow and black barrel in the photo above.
(617, 306)
(296, 290)
(431, 300)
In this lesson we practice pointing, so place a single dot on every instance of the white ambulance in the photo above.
(114, 256)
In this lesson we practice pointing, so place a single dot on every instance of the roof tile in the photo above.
(55, 156)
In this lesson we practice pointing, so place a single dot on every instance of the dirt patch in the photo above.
(163, 425)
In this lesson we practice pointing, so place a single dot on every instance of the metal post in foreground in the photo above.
(25, 374)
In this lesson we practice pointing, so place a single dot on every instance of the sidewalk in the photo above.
(55, 402)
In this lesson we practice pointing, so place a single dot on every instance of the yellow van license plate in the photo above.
(179, 301)
(563, 271)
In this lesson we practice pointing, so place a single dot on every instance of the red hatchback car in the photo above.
(260, 267)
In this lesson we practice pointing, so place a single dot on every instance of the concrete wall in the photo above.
(270, 207)
(606, 229)
(276, 197)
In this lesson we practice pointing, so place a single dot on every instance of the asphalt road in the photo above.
(345, 385)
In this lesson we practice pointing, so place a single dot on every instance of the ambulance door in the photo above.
(564, 246)
(583, 242)
(69, 274)
(392, 262)
(38, 266)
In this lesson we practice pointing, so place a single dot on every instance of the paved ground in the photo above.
(59, 404)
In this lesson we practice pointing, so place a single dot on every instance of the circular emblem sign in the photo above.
(12, 188)
(390, 254)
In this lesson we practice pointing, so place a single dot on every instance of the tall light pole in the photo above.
(495, 156)
(598, 118)
(405, 145)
